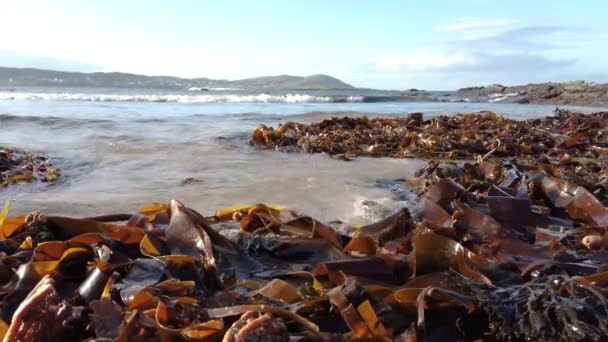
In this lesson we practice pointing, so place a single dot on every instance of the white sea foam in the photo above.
(500, 97)
(225, 89)
(181, 98)
(355, 99)
(213, 89)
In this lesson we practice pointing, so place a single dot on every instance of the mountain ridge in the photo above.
(44, 78)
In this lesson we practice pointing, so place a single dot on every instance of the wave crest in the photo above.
(179, 98)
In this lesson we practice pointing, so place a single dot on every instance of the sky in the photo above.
(434, 45)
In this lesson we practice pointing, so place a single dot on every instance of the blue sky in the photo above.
(382, 44)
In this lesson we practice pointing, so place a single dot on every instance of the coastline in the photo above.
(17, 83)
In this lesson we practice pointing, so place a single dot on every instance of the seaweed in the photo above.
(19, 167)
(572, 146)
(500, 249)
(471, 264)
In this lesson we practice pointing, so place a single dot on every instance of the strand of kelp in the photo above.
(493, 252)
(19, 166)
(574, 146)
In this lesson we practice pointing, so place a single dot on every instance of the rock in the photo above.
(192, 180)
(483, 91)
(593, 241)
(548, 91)
(573, 92)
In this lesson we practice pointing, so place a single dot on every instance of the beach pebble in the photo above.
(593, 241)
(192, 180)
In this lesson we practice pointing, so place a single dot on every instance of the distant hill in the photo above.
(45, 78)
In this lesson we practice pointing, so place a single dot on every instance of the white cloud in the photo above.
(508, 50)
(471, 61)
(469, 24)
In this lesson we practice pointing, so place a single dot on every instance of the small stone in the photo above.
(192, 180)
(594, 242)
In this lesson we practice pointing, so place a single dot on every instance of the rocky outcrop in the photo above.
(564, 93)
(483, 91)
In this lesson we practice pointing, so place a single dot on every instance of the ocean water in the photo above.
(123, 149)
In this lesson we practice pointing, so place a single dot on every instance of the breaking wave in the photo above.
(499, 97)
(180, 98)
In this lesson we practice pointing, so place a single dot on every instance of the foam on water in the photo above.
(498, 97)
(180, 98)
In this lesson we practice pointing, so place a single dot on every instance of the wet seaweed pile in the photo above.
(18, 166)
(508, 244)
(494, 252)
(538, 240)
(574, 144)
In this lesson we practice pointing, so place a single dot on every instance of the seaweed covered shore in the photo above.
(568, 145)
(508, 244)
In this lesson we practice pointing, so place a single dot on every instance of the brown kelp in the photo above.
(494, 252)
(507, 244)
(572, 146)
(18, 166)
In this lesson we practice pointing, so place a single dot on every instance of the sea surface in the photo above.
(121, 149)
